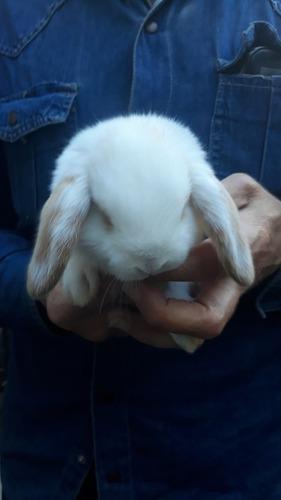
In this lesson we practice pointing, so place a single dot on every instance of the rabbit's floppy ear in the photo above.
(60, 222)
(219, 216)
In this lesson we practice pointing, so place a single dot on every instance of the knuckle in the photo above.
(242, 178)
(215, 325)
(247, 184)
(245, 178)
(155, 317)
(244, 184)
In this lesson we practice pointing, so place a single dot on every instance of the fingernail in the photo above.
(118, 321)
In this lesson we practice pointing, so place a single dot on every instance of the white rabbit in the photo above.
(131, 196)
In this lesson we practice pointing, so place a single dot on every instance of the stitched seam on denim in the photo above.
(129, 441)
(26, 128)
(251, 85)
(16, 49)
(171, 79)
(14, 252)
(215, 141)
(93, 428)
(134, 63)
(66, 89)
(37, 121)
(35, 180)
(77, 450)
(266, 135)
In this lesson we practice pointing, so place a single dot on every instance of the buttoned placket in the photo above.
(151, 62)
(111, 387)
(110, 421)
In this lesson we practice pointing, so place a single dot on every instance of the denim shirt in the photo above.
(158, 424)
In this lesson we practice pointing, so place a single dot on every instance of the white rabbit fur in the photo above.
(131, 196)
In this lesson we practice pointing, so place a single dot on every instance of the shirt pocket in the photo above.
(35, 125)
(246, 126)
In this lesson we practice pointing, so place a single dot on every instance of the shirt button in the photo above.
(12, 118)
(114, 477)
(151, 27)
(81, 459)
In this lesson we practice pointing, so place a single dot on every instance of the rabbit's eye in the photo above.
(107, 220)
(184, 211)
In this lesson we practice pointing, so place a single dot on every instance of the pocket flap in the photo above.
(44, 104)
(258, 34)
(21, 22)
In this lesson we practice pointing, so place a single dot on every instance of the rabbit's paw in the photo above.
(186, 342)
(80, 281)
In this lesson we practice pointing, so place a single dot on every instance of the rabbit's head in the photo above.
(138, 193)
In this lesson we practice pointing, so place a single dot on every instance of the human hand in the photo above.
(206, 317)
(92, 322)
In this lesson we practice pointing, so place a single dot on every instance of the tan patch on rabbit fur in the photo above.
(50, 217)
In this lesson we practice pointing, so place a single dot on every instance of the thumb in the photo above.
(202, 264)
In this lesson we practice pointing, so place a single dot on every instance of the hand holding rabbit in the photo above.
(130, 197)
(260, 216)
(92, 322)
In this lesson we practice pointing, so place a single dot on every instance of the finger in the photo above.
(135, 325)
(242, 188)
(202, 264)
(203, 318)
(93, 328)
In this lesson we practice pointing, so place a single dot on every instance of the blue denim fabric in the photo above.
(159, 424)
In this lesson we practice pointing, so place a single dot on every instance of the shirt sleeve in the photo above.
(16, 307)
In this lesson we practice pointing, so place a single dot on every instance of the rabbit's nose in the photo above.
(150, 265)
